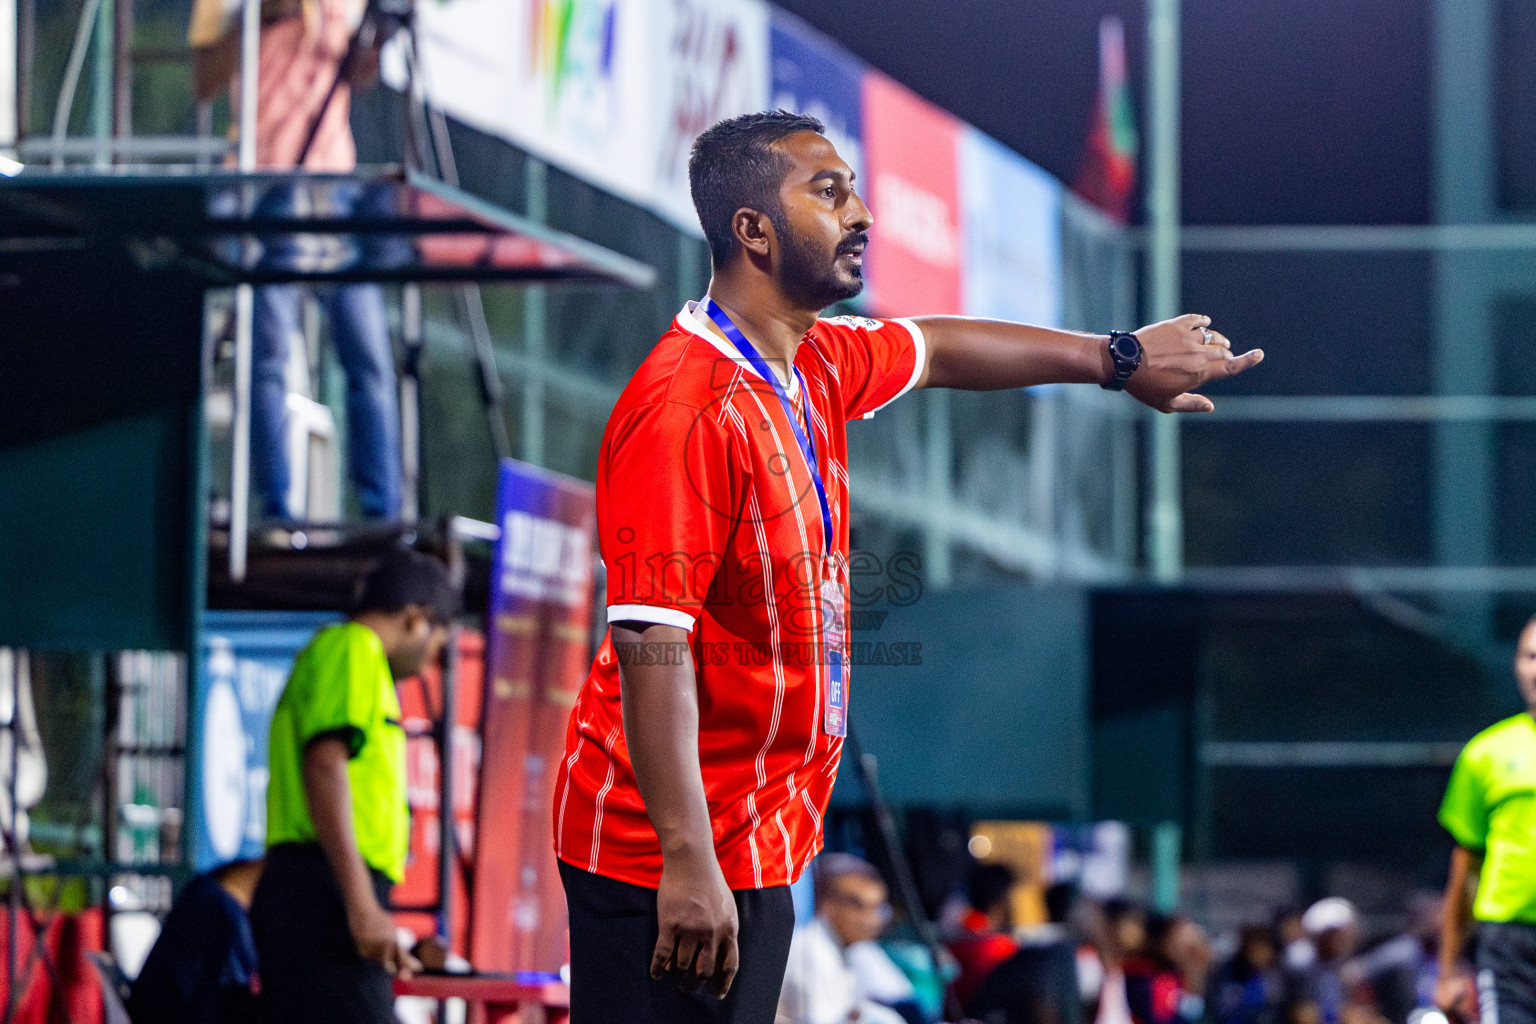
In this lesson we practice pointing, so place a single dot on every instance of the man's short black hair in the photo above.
(408, 577)
(735, 164)
(829, 867)
(989, 884)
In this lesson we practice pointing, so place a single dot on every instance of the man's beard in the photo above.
(812, 281)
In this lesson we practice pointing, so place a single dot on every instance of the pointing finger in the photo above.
(1247, 361)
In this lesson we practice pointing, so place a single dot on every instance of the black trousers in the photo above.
(310, 968)
(1506, 973)
(613, 934)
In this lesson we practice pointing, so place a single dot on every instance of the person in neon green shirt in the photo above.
(337, 822)
(1490, 811)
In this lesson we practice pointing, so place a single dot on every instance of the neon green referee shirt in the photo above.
(341, 685)
(1490, 806)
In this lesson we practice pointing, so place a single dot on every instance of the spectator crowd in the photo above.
(1097, 961)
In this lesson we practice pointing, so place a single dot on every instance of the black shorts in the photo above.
(1506, 973)
(310, 968)
(613, 934)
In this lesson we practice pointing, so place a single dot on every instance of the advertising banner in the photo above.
(421, 707)
(710, 58)
(540, 620)
(813, 75)
(915, 252)
(1011, 224)
(570, 81)
(246, 660)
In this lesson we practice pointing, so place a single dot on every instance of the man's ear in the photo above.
(753, 231)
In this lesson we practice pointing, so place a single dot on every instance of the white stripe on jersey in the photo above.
(602, 794)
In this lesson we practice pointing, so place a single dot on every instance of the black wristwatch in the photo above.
(1125, 352)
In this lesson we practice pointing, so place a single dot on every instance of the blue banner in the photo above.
(813, 75)
(246, 660)
(1012, 231)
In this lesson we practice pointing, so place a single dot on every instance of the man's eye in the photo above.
(830, 192)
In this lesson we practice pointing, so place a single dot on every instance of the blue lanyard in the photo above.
(807, 448)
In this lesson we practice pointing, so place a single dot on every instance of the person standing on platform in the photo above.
(703, 745)
(303, 46)
(1490, 811)
(337, 822)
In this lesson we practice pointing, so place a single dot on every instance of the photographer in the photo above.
(304, 94)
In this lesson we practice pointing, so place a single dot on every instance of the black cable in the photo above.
(906, 883)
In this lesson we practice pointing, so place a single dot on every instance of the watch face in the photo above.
(1125, 347)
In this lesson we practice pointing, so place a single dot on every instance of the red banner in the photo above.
(914, 259)
(539, 652)
(421, 705)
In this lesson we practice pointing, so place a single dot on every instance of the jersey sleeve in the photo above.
(1464, 811)
(667, 495)
(877, 361)
(340, 690)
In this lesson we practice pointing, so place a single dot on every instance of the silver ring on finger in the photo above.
(1205, 332)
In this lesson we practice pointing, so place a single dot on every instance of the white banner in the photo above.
(1012, 229)
(613, 91)
(7, 73)
(711, 62)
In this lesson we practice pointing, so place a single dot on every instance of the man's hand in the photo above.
(697, 917)
(374, 935)
(1180, 355)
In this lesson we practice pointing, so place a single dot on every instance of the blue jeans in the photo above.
(360, 330)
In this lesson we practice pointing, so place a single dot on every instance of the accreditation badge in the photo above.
(834, 645)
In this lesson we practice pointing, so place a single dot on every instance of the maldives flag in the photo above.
(1107, 177)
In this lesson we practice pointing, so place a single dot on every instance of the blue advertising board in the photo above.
(1011, 210)
(813, 75)
(246, 657)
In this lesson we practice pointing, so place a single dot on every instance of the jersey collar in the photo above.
(692, 320)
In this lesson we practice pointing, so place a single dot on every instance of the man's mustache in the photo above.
(857, 240)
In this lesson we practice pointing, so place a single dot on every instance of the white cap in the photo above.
(1328, 914)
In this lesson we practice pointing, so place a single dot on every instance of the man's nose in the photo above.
(859, 218)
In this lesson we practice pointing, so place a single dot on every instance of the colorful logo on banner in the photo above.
(813, 75)
(914, 260)
(568, 80)
(711, 59)
(1012, 231)
(539, 652)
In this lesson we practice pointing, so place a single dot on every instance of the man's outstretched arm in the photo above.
(695, 909)
(992, 355)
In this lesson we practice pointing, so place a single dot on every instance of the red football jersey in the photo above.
(708, 520)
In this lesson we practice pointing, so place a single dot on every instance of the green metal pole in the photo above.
(103, 77)
(535, 324)
(1165, 526)
(1167, 842)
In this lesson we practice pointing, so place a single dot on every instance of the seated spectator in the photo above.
(1038, 984)
(1165, 982)
(987, 939)
(1117, 931)
(1296, 950)
(836, 972)
(1317, 994)
(1249, 988)
(202, 969)
(1399, 975)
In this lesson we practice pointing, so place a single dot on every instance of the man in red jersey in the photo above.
(702, 749)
